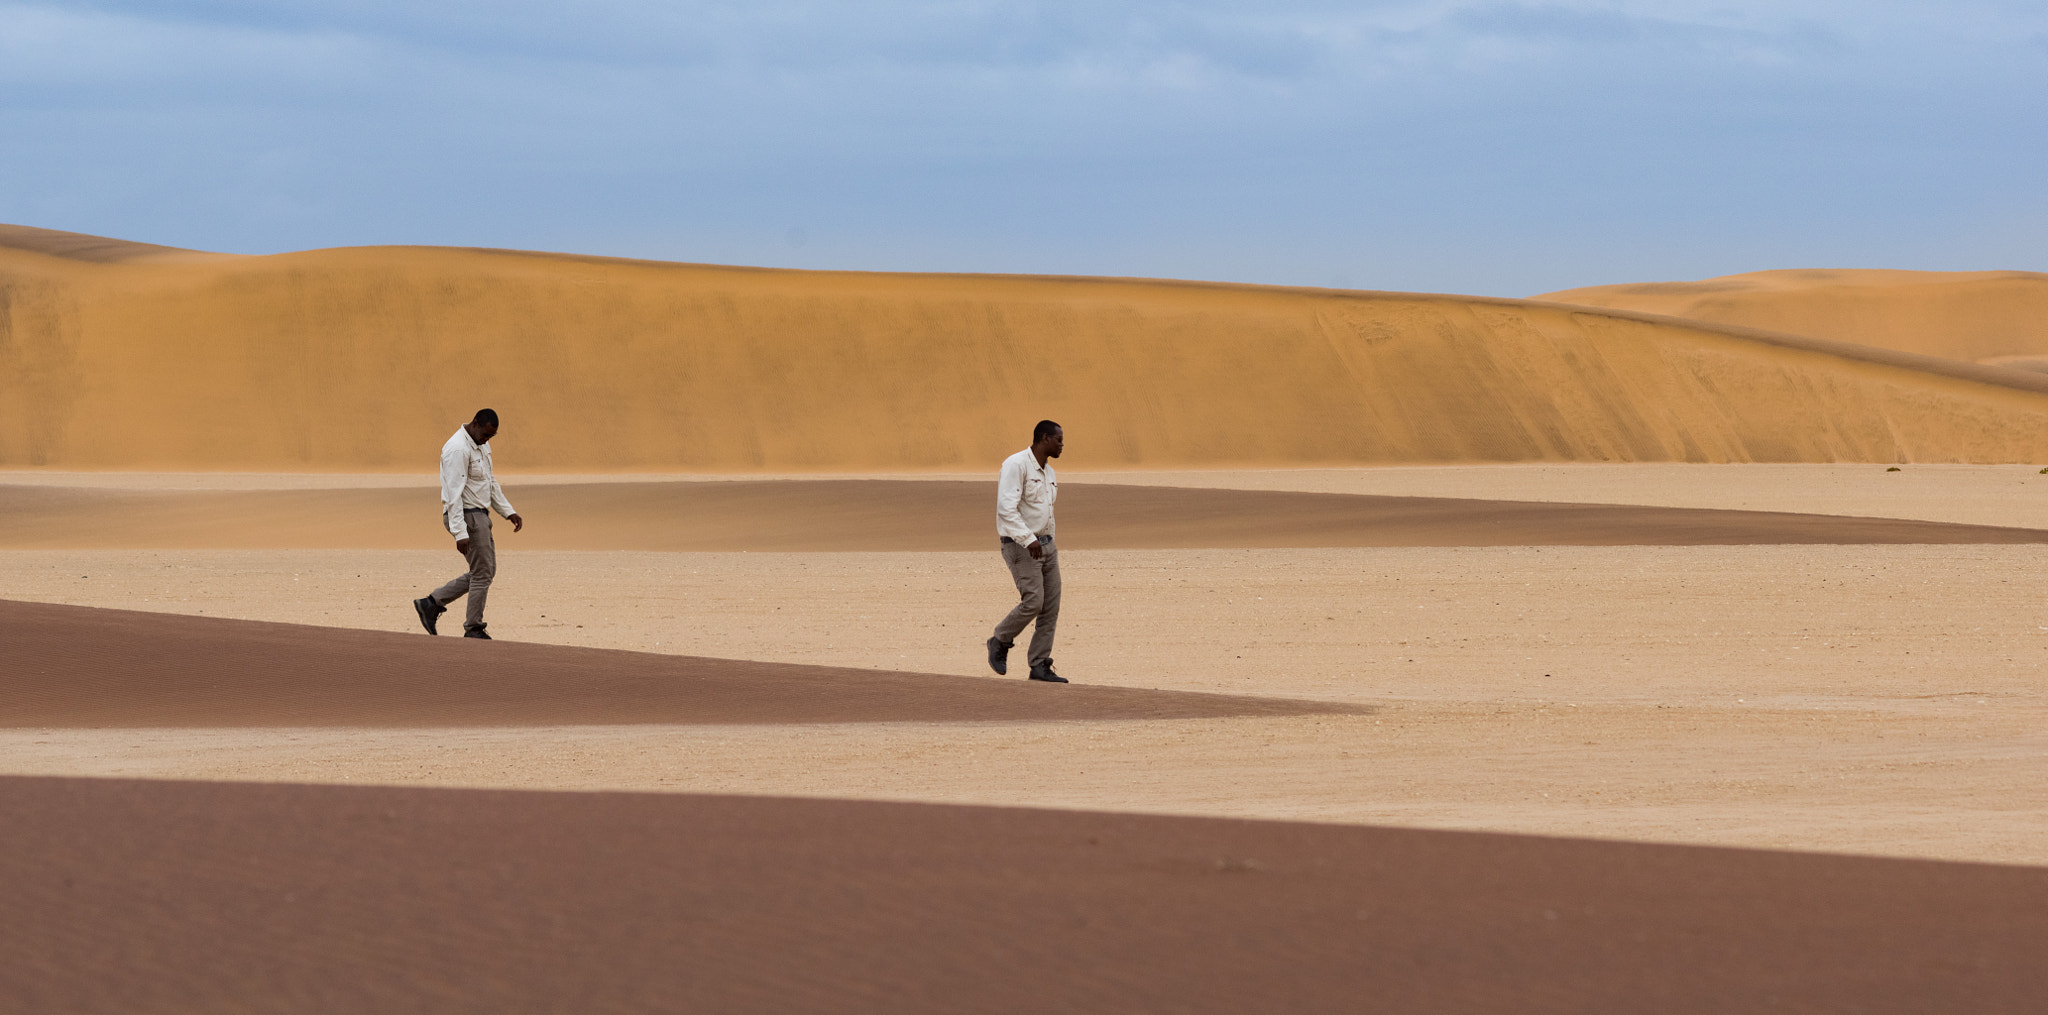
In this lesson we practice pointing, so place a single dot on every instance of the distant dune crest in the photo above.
(365, 359)
(95, 249)
(1998, 318)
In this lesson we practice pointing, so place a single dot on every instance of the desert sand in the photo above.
(1992, 317)
(885, 515)
(1449, 652)
(352, 359)
(487, 902)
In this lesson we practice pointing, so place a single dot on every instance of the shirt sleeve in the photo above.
(498, 501)
(454, 472)
(1009, 496)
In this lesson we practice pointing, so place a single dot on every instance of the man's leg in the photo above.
(483, 566)
(1030, 591)
(456, 588)
(1048, 569)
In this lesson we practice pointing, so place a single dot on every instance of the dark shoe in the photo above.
(478, 632)
(429, 611)
(999, 655)
(1043, 671)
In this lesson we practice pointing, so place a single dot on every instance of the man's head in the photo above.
(484, 426)
(1048, 439)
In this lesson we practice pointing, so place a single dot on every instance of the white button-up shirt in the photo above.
(467, 482)
(1024, 494)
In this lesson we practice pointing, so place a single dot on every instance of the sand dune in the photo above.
(1882, 700)
(366, 359)
(96, 249)
(69, 666)
(1998, 318)
(880, 515)
(204, 897)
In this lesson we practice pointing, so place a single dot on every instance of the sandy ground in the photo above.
(2012, 495)
(1813, 685)
(255, 897)
(891, 516)
(1862, 699)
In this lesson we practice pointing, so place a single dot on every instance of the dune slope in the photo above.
(72, 666)
(367, 358)
(196, 897)
(95, 249)
(1998, 317)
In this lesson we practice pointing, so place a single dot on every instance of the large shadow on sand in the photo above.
(170, 897)
(74, 666)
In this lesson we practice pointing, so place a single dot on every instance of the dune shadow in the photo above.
(74, 667)
(171, 897)
(910, 515)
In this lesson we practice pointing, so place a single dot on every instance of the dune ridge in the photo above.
(908, 515)
(365, 359)
(1997, 318)
(95, 249)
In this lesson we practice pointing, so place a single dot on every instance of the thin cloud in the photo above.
(1392, 141)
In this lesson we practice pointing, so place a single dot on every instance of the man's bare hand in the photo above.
(517, 522)
(1037, 551)
(462, 547)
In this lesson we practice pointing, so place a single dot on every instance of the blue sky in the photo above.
(1494, 148)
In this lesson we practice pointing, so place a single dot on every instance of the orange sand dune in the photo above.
(1993, 317)
(365, 359)
(95, 249)
(884, 515)
(183, 897)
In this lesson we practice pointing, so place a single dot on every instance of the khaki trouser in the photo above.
(483, 566)
(1038, 583)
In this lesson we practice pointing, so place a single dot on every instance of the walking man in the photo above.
(1024, 494)
(469, 491)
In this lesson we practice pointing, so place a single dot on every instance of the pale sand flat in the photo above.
(1864, 699)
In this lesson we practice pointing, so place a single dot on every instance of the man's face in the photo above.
(1056, 442)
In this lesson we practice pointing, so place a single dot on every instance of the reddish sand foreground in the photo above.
(175, 897)
(188, 897)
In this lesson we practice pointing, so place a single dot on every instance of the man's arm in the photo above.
(1010, 494)
(454, 471)
(503, 506)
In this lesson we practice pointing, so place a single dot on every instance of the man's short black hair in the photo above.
(1045, 426)
(486, 417)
